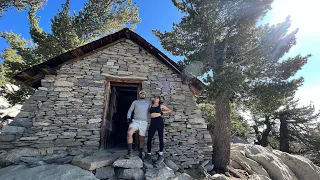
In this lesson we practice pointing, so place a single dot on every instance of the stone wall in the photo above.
(64, 115)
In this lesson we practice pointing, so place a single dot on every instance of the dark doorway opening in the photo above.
(121, 98)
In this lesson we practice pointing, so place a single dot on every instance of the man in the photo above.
(138, 123)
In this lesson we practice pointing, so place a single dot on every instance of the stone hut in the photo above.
(83, 96)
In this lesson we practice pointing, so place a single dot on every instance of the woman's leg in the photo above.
(151, 132)
(160, 134)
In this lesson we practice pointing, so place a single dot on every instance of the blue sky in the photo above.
(160, 14)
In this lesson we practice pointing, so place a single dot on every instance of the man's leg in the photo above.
(141, 145)
(130, 132)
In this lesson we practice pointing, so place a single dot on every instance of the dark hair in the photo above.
(160, 101)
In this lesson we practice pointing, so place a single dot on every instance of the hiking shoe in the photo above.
(147, 158)
(140, 155)
(129, 155)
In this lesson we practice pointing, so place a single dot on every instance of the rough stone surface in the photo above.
(159, 173)
(183, 176)
(258, 177)
(94, 162)
(136, 174)
(171, 165)
(13, 156)
(52, 172)
(303, 168)
(273, 164)
(105, 172)
(54, 157)
(6, 138)
(33, 161)
(147, 165)
(12, 130)
(219, 177)
(134, 162)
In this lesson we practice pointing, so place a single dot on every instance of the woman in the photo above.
(157, 109)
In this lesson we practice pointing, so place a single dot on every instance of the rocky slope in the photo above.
(272, 164)
(258, 162)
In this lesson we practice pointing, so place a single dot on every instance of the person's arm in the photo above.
(131, 109)
(165, 109)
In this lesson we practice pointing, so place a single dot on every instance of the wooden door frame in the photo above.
(115, 82)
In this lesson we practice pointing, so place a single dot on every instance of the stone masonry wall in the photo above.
(64, 115)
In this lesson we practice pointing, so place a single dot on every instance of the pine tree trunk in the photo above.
(284, 135)
(211, 130)
(264, 138)
(222, 134)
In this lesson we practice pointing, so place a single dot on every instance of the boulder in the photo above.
(52, 158)
(219, 177)
(7, 138)
(12, 130)
(105, 172)
(136, 174)
(183, 176)
(94, 162)
(171, 165)
(13, 156)
(159, 173)
(21, 122)
(258, 177)
(33, 161)
(209, 167)
(302, 167)
(271, 163)
(147, 165)
(52, 172)
(132, 163)
(247, 164)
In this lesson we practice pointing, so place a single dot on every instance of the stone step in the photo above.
(96, 161)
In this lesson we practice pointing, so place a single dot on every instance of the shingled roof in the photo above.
(33, 75)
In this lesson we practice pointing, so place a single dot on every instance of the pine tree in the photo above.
(296, 124)
(18, 4)
(236, 53)
(96, 19)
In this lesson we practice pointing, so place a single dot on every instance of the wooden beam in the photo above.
(121, 84)
(103, 136)
(125, 79)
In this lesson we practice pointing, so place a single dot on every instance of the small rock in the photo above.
(29, 138)
(54, 157)
(147, 165)
(136, 174)
(134, 162)
(159, 173)
(171, 164)
(105, 172)
(65, 160)
(209, 167)
(93, 162)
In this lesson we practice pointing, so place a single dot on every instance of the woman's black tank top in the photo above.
(155, 110)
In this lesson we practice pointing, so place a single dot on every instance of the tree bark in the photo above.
(284, 134)
(265, 134)
(222, 134)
